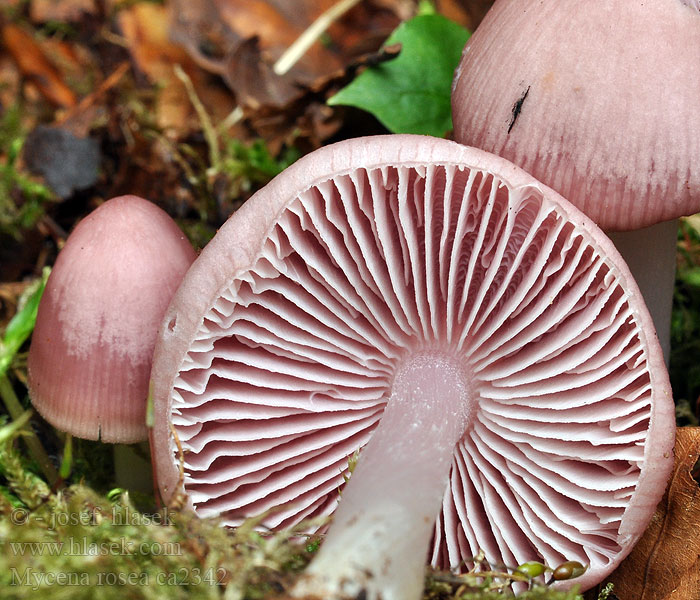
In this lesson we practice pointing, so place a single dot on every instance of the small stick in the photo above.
(233, 117)
(207, 126)
(290, 57)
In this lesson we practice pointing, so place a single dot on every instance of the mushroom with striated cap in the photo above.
(475, 334)
(598, 101)
(90, 357)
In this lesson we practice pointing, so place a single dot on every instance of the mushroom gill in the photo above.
(410, 272)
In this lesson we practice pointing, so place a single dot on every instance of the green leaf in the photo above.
(411, 93)
(22, 324)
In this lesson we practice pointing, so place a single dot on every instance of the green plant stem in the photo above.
(9, 431)
(207, 126)
(36, 450)
(67, 460)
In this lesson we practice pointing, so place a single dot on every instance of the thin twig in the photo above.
(79, 109)
(300, 46)
(207, 126)
(233, 117)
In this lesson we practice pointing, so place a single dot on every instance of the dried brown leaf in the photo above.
(196, 26)
(70, 11)
(34, 65)
(253, 80)
(468, 13)
(665, 563)
(145, 26)
(222, 26)
(241, 41)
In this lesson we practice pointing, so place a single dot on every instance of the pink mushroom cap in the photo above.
(472, 331)
(90, 357)
(597, 100)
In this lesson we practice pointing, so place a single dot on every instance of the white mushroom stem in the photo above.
(378, 542)
(650, 254)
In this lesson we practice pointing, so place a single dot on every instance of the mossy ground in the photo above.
(75, 543)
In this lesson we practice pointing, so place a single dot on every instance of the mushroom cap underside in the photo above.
(277, 354)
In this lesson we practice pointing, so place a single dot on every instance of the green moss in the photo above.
(78, 544)
(22, 199)
(75, 543)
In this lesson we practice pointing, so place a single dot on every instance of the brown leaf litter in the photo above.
(665, 563)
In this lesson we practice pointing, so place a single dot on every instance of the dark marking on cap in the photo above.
(517, 108)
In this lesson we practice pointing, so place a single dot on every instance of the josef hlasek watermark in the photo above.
(84, 546)
(118, 517)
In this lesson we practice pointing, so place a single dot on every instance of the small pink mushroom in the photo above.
(91, 351)
(600, 102)
(475, 334)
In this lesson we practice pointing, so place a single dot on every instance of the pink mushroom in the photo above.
(600, 102)
(91, 351)
(476, 335)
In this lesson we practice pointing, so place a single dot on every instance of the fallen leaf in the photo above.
(468, 13)
(253, 80)
(34, 65)
(242, 40)
(212, 30)
(70, 11)
(665, 563)
(197, 27)
(145, 27)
